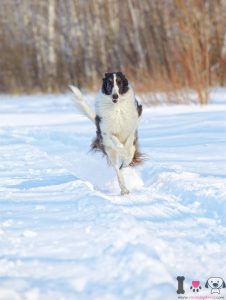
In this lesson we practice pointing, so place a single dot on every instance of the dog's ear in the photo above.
(107, 74)
(224, 285)
(207, 285)
(120, 73)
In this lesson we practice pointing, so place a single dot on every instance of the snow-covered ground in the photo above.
(66, 233)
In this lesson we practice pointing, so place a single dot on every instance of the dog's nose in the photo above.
(115, 97)
(215, 284)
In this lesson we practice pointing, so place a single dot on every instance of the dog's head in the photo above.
(115, 84)
(215, 283)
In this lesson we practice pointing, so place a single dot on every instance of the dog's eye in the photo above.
(110, 81)
(118, 81)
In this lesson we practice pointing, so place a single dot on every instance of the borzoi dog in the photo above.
(117, 114)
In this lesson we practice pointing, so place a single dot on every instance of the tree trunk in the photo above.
(51, 45)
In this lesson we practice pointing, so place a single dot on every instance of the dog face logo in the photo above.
(215, 283)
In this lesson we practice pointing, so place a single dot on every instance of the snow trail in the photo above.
(66, 233)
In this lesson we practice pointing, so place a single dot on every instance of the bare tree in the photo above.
(52, 59)
(161, 45)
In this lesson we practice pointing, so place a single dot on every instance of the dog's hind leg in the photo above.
(129, 149)
(114, 158)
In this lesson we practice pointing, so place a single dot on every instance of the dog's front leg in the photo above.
(114, 158)
(129, 149)
(124, 152)
(113, 142)
(130, 140)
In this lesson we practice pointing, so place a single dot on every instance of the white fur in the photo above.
(119, 119)
(81, 103)
(115, 88)
(119, 122)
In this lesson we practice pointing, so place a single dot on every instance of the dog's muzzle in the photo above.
(115, 98)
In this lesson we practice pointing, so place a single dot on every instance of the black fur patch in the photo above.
(97, 144)
(139, 108)
(108, 83)
(97, 121)
(122, 83)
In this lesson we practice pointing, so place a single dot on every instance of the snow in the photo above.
(65, 231)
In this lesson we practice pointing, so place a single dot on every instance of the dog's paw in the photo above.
(127, 158)
(124, 191)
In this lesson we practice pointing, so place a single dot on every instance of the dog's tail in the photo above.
(82, 104)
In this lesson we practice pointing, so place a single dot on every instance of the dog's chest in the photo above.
(119, 119)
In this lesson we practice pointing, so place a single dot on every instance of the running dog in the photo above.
(117, 114)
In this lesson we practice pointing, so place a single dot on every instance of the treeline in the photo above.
(160, 44)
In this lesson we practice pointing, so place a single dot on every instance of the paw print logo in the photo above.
(195, 286)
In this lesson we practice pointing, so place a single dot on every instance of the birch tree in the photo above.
(52, 59)
(46, 45)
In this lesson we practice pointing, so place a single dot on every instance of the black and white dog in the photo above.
(216, 284)
(117, 114)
